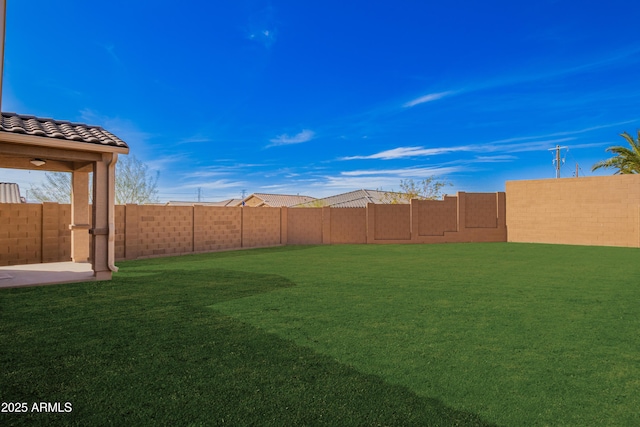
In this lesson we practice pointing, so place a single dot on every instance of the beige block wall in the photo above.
(20, 234)
(481, 210)
(392, 222)
(348, 225)
(260, 227)
(304, 226)
(217, 228)
(56, 235)
(120, 218)
(437, 216)
(28, 236)
(164, 230)
(582, 211)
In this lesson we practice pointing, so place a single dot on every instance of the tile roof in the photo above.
(353, 199)
(224, 203)
(10, 193)
(49, 128)
(280, 200)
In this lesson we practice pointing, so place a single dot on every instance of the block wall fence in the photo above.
(34, 233)
(598, 211)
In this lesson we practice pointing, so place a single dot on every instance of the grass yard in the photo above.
(455, 334)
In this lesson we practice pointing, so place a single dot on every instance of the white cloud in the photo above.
(305, 136)
(427, 98)
(408, 172)
(213, 185)
(495, 159)
(402, 152)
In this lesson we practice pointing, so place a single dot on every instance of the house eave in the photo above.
(41, 141)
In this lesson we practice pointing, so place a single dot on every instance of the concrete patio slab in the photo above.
(13, 276)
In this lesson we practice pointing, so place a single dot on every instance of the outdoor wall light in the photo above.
(38, 162)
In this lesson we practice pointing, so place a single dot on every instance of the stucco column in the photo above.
(79, 217)
(103, 231)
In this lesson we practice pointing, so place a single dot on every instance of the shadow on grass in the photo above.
(146, 350)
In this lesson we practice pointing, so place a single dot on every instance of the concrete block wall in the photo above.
(32, 233)
(603, 211)
(261, 227)
(217, 228)
(304, 226)
(441, 221)
(481, 210)
(121, 220)
(437, 216)
(161, 230)
(20, 234)
(348, 225)
(56, 235)
(390, 222)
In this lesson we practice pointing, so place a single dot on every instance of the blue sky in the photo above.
(320, 98)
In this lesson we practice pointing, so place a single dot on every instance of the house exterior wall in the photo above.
(603, 211)
(32, 233)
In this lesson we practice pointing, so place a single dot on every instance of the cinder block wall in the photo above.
(161, 230)
(601, 211)
(217, 228)
(348, 225)
(481, 210)
(392, 222)
(32, 233)
(438, 216)
(20, 234)
(304, 226)
(261, 227)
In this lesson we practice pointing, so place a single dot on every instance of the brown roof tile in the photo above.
(30, 125)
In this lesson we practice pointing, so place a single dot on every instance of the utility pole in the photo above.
(558, 162)
(199, 194)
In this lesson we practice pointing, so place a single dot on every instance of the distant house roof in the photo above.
(229, 202)
(10, 193)
(275, 200)
(354, 199)
(35, 126)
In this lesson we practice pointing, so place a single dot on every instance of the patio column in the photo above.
(79, 216)
(103, 231)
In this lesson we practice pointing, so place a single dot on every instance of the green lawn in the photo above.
(456, 334)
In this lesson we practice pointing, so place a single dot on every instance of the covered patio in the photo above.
(33, 143)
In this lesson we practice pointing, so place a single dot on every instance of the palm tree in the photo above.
(626, 160)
